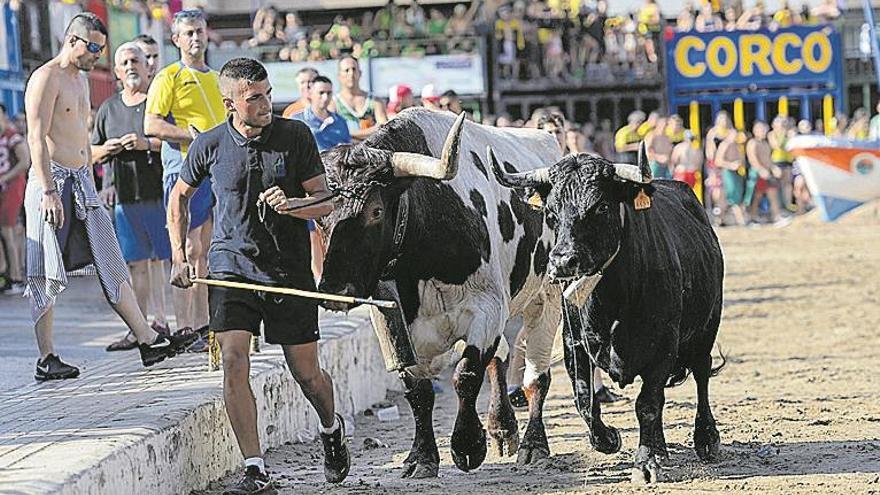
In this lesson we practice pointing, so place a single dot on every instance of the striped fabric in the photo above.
(46, 275)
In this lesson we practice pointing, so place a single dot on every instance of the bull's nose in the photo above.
(562, 265)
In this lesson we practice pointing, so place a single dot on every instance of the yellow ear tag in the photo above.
(535, 201)
(642, 201)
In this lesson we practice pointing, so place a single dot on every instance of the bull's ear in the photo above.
(633, 194)
(536, 200)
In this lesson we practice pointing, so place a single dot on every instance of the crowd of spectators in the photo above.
(389, 31)
(703, 18)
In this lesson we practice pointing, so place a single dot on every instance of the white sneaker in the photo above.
(17, 288)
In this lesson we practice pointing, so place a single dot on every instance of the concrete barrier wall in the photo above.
(195, 445)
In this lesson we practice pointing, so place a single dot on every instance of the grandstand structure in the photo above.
(594, 92)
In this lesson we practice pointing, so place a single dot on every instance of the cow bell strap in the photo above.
(400, 225)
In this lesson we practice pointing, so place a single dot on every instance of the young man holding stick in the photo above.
(268, 179)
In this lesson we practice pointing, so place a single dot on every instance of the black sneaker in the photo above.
(253, 482)
(52, 368)
(336, 459)
(164, 347)
(606, 396)
(518, 398)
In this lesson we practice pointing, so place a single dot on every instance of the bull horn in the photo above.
(632, 173)
(642, 162)
(417, 165)
(533, 178)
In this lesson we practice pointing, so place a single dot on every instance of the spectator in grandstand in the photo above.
(707, 21)
(183, 100)
(304, 78)
(400, 97)
(133, 181)
(658, 150)
(764, 175)
(781, 158)
(14, 163)
(827, 11)
(685, 20)
(268, 27)
(294, 31)
(649, 27)
(436, 24)
(415, 18)
(429, 97)
(686, 160)
(594, 28)
(450, 101)
(785, 17)
(461, 21)
(510, 41)
(360, 110)
(627, 138)
(730, 159)
(753, 18)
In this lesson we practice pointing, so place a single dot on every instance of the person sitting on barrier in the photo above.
(764, 174)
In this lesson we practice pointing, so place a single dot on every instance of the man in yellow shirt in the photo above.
(627, 138)
(184, 99)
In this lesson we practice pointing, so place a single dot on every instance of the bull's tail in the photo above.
(681, 372)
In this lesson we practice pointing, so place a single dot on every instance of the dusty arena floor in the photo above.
(798, 405)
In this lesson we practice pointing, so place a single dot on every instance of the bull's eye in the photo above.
(602, 209)
(377, 213)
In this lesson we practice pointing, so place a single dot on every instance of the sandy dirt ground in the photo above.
(798, 405)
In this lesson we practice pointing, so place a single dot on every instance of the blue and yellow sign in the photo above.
(797, 56)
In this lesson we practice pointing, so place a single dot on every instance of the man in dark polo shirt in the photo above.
(255, 158)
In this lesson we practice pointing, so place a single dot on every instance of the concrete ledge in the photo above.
(123, 429)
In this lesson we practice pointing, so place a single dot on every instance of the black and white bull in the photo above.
(656, 309)
(416, 209)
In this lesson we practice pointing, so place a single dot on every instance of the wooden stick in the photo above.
(297, 292)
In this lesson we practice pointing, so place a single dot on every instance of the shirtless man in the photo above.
(686, 160)
(764, 174)
(67, 229)
(658, 148)
(730, 159)
(362, 113)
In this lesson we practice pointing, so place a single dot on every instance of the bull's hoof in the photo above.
(646, 470)
(531, 454)
(420, 470)
(607, 442)
(468, 451)
(707, 442)
(503, 440)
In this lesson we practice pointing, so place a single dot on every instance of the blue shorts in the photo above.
(140, 228)
(199, 205)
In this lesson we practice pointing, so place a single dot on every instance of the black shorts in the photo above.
(287, 320)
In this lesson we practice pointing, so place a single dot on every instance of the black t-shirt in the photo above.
(275, 251)
(137, 174)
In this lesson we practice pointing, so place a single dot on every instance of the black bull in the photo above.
(656, 310)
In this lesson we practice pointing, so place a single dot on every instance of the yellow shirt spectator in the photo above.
(624, 136)
(644, 129)
(187, 96)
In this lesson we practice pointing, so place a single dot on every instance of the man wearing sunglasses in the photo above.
(67, 228)
(184, 99)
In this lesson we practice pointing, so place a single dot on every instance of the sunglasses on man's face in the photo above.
(190, 14)
(91, 46)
